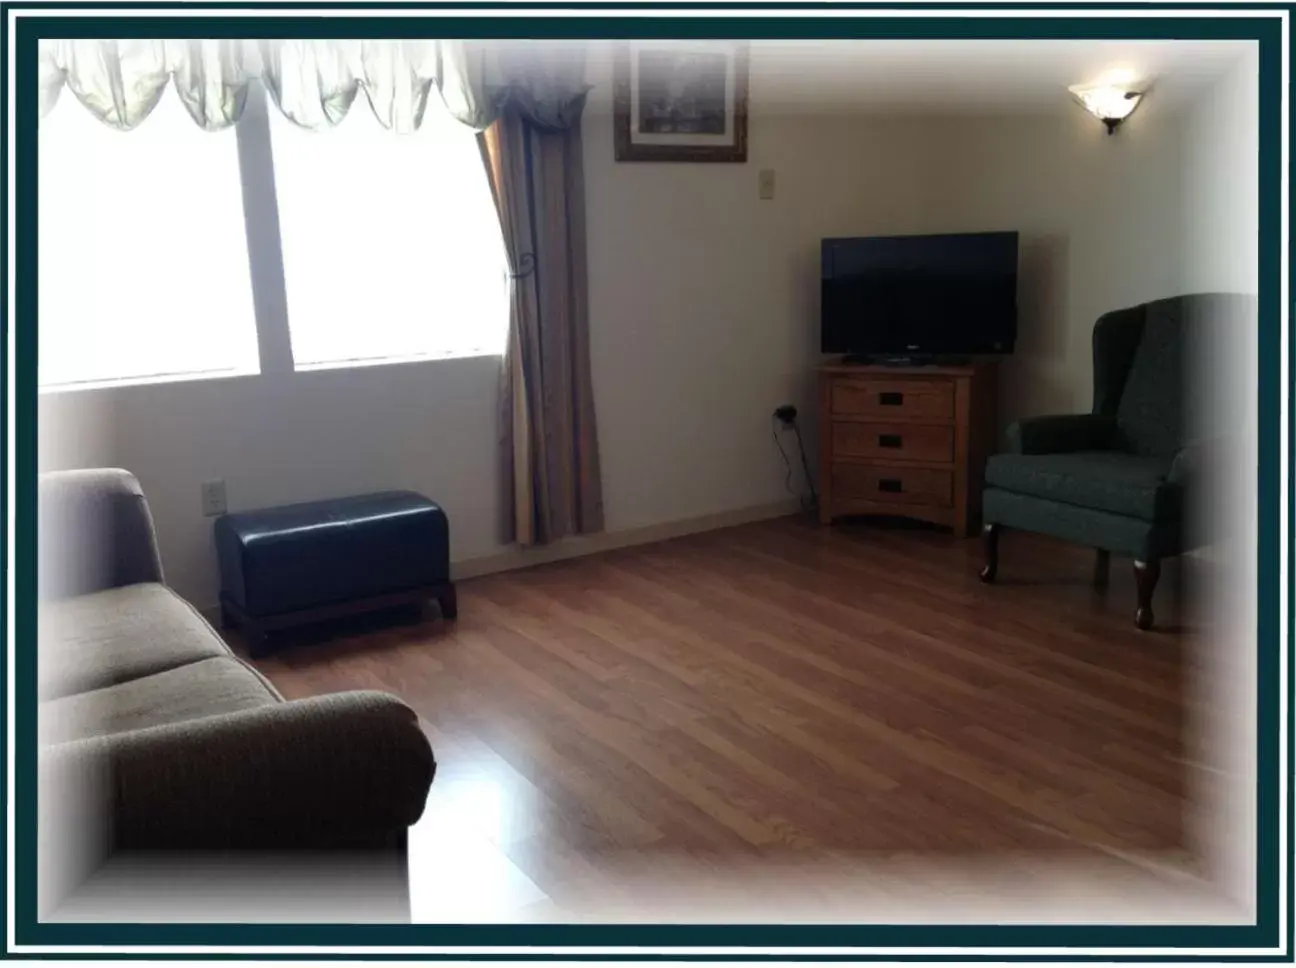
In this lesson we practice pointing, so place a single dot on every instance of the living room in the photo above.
(702, 317)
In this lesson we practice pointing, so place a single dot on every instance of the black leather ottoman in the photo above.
(302, 563)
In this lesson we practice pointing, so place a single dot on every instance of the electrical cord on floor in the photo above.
(774, 429)
(805, 465)
(787, 482)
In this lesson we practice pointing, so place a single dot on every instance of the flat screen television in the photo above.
(920, 296)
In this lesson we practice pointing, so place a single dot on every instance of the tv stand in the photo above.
(909, 441)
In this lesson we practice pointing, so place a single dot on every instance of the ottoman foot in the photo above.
(258, 642)
(253, 632)
(449, 603)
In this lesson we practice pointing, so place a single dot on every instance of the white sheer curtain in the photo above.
(314, 83)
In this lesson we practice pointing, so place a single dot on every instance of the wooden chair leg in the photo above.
(990, 542)
(1102, 568)
(1146, 574)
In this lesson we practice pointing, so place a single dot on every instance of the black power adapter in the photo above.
(787, 414)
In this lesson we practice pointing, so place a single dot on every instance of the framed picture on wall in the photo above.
(681, 101)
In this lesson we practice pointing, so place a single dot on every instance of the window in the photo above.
(391, 244)
(143, 267)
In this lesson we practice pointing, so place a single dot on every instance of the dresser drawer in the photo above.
(892, 399)
(892, 484)
(927, 442)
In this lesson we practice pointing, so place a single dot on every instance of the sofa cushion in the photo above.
(113, 636)
(1120, 483)
(210, 687)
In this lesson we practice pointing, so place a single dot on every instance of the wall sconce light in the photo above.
(1109, 103)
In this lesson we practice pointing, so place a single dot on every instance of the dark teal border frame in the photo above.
(222, 22)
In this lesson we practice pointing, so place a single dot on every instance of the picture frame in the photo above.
(681, 101)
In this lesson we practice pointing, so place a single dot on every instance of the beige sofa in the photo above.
(153, 735)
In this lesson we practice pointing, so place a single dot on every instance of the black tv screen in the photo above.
(920, 295)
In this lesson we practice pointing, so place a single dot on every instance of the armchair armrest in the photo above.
(94, 532)
(1197, 462)
(1062, 433)
(350, 769)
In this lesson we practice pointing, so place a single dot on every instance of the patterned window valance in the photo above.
(315, 82)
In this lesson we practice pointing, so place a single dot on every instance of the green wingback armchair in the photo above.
(1121, 477)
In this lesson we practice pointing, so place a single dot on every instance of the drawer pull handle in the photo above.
(891, 399)
(889, 440)
(891, 485)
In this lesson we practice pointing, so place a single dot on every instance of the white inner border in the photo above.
(1284, 856)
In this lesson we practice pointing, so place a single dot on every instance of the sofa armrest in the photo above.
(350, 769)
(1062, 433)
(94, 532)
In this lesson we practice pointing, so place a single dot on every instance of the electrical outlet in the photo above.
(213, 498)
(765, 183)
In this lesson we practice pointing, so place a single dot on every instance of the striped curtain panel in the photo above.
(549, 443)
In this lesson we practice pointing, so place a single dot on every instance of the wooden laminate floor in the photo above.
(772, 701)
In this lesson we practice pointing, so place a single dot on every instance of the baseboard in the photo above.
(590, 544)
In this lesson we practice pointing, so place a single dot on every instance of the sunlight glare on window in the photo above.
(143, 266)
(391, 243)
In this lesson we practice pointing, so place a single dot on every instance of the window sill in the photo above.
(397, 360)
(142, 381)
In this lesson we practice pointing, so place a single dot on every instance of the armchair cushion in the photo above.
(1110, 481)
(1060, 433)
(1117, 533)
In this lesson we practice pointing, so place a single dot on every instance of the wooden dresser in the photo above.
(905, 441)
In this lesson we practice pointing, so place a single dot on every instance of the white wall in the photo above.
(1221, 223)
(1099, 217)
(1221, 205)
(704, 298)
(703, 303)
(429, 427)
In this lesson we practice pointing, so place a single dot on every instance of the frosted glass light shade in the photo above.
(1110, 105)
